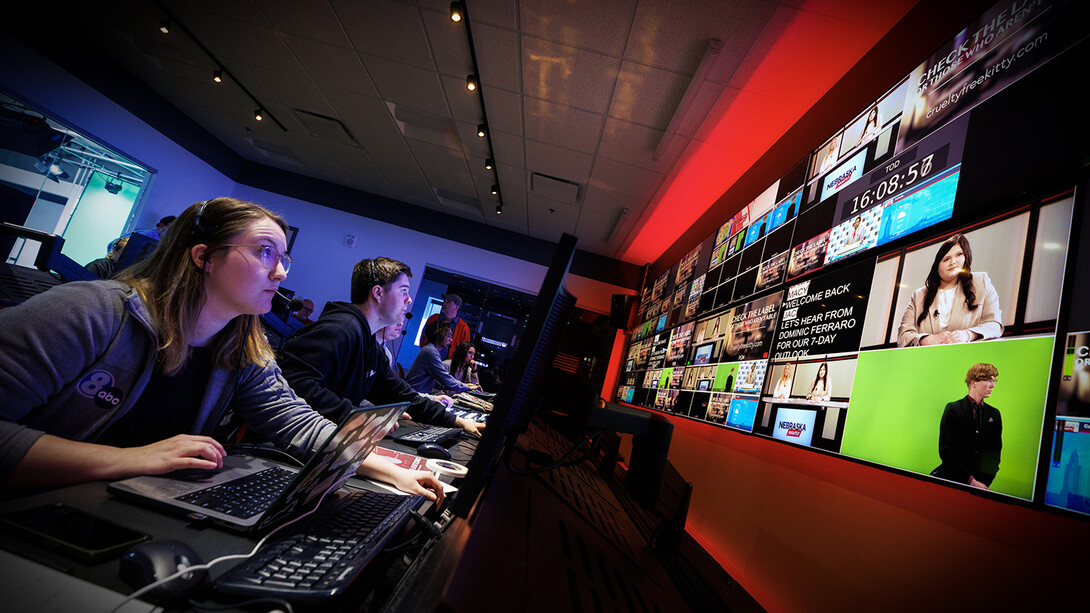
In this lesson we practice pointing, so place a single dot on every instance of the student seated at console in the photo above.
(428, 372)
(112, 379)
(336, 363)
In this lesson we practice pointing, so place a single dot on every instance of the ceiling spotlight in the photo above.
(112, 187)
(257, 115)
(488, 164)
(164, 26)
(456, 12)
(495, 189)
(499, 208)
(481, 131)
(217, 76)
(471, 82)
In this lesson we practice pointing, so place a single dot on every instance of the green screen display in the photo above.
(899, 396)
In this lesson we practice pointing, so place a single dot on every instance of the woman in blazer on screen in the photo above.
(955, 305)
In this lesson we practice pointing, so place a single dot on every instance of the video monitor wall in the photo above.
(865, 302)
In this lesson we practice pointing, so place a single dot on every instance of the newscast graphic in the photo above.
(793, 429)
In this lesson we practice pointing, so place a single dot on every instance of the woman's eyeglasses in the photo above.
(268, 255)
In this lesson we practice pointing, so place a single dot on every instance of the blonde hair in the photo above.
(174, 289)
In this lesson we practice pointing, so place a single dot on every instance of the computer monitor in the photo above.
(513, 406)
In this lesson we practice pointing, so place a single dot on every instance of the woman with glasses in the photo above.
(151, 372)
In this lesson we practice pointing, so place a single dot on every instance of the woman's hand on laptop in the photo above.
(178, 452)
(54, 461)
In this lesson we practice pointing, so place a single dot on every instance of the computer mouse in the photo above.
(158, 559)
(433, 450)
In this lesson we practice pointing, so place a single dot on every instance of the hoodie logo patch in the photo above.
(99, 386)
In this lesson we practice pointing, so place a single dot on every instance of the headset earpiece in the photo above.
(200, 233)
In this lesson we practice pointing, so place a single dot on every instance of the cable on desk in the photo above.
(236, 556)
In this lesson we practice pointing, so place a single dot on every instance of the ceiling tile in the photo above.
(369, 27)
(599, 26)
(558, 162)
(561, 125)
(567, 75)
(647, 96)
(331, 66)
(624, 178)
(497, 52)
(313, 20)
(408, 86)
(504, 110)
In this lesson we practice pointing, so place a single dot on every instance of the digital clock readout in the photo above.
(903, 176)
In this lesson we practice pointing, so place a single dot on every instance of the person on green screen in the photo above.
(971, 432)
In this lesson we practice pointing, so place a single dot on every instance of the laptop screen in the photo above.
(334, 462)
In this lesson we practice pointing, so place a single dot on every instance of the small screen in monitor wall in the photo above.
(742, 410)
(703, 353)
(1069, 462)
(718, 406)
(794, 425)
(855, 235)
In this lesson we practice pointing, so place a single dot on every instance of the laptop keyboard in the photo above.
(320, 558)
(430, 434)
(243, 497)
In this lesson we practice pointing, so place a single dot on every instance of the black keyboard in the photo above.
(430, 434)
(243, 497)
(320, 558)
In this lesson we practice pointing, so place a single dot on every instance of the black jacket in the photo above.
(335, 363)
(968, 446)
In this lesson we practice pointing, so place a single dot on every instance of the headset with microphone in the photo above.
(294, 304)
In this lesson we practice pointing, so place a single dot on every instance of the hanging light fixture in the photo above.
(488, 164)
(257, 115)
(481, 131)
(471, 82)
(456, 11)
(217, 76)
(164, 25)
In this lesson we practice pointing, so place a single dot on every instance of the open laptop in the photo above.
(189, 492)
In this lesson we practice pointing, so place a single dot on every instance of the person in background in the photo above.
(428, 373)
(971, 432)
(336, 362)
(107, 266)
(304, 313)
(820, 390)
(452, 303)
(384, 336)
(783, 386)
(160, 232)
(142, 375)
(463, 366)
(163, 225)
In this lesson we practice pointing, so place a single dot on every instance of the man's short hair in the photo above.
(980, 372)
(166, 221)
(378, 271)
(455, 298)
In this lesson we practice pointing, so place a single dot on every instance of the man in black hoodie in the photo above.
(335, 362)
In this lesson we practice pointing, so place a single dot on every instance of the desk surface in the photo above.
(206, 539)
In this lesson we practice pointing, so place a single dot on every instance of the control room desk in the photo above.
(208, 540)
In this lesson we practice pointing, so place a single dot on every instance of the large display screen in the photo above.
(869, 305)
